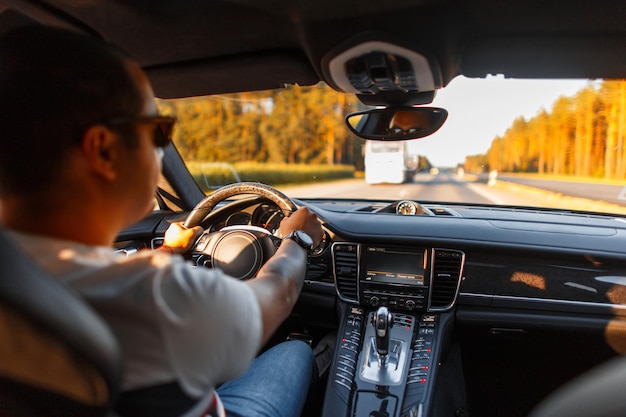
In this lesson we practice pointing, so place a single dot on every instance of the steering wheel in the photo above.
(239, 251)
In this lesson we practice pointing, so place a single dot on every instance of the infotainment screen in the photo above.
(395, 265)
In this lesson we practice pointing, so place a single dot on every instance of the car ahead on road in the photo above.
(500, 292)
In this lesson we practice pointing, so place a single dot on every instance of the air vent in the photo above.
(372, 208)
(437, 210)
(446, 277)
(317, 272)
(346, 268)
(367, 209)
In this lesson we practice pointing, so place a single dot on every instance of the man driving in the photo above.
(79, 161)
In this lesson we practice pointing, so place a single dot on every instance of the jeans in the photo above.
(276, 384)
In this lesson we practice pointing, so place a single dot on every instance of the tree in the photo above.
(292, 125)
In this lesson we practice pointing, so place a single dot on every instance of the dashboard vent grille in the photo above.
(441, 212)
(446, 275)
(372, 208)
(346, 268)
(437, 210)
(316, 271)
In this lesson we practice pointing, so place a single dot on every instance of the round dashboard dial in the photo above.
(267, 217)
(406, 208)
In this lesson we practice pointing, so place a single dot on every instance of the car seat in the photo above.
(598, 392)
(57, 357)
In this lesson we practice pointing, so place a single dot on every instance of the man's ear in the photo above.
(100, 148)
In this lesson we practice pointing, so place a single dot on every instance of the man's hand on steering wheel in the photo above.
(305, 220)
(180, 239)
(241, 251)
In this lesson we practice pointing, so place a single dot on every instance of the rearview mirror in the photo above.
(396, 123)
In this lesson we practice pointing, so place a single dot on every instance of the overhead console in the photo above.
(382, 70)
(393, 327)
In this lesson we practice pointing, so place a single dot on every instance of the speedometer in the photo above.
(267, 217)
(271, 220)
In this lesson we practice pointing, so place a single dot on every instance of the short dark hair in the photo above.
(54, 84)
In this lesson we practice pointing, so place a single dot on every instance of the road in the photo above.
(425, 187)
(447, 187)
(615, 194)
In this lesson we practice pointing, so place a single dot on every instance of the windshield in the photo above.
(539, 143)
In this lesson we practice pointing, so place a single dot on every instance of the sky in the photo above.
(481, 109)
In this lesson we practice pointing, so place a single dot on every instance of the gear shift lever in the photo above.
(382, 321)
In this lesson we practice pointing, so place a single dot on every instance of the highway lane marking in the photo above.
(486, 194)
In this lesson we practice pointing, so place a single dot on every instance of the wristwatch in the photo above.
(301, 238)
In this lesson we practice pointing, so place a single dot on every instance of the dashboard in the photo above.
(487, 285)
(494, 252)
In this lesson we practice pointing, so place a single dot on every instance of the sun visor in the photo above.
(252, 72)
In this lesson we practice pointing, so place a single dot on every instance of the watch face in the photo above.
(302, 238)
(305, 238)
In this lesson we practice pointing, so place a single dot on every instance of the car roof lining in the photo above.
(197, 47)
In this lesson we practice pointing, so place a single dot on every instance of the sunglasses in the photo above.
(399, 131)
(163, 126)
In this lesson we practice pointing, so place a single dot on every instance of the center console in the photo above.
(395, 311)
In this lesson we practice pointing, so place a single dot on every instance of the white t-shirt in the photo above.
(173, 321)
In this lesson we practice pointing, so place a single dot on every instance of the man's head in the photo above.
(78, 133)
(405, 121)
(54, 85)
